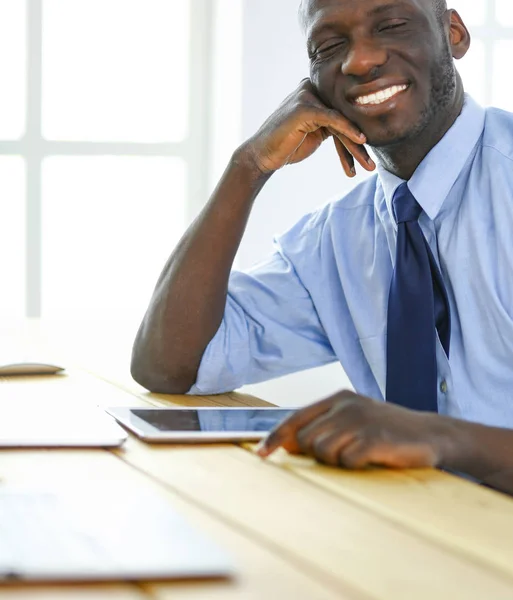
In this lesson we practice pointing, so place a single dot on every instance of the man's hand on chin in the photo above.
(353, 431)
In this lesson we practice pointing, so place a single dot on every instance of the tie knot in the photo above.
(406, 208)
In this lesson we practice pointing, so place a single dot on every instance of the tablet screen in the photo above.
(219, 420)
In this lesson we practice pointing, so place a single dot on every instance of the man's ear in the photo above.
(459, 35)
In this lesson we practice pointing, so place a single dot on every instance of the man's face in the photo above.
(385, 64)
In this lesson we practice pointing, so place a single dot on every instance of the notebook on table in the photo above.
(47, 536)
(40, 423)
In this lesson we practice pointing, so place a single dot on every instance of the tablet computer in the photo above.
(200, 424)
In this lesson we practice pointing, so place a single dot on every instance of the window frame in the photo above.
(34, 148)
(489, 34)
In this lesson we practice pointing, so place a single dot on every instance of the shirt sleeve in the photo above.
(270, 328)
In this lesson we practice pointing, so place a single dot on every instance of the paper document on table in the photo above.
(57, 425)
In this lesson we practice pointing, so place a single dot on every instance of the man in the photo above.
(407, 281)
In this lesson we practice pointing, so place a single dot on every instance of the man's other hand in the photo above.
(297, 129)
(353, 431)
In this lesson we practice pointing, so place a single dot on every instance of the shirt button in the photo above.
(443, 386)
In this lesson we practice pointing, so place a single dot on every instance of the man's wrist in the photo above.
(449, 439)
(244, 158)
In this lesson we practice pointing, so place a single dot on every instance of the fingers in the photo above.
(318, 116)
(285, 434)
(360, 153)
(345, 128)
(355, 455)
(353, 431)
(346, 148)
(327, 117)
(364, 451)
(317, 431)
(346, 158)
(299, 126)
(328, 446)
(326, 436)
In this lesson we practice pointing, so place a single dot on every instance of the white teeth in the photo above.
(381, 96)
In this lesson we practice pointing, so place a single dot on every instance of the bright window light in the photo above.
(504, 12)
(12, 235)
(109, 224)
(501, 83)
(13, 56)
(473, 12)
(472, 71)
(115, 70)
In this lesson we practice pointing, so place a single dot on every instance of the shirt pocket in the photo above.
(374, 350)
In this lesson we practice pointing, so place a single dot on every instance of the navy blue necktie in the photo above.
(417, 307)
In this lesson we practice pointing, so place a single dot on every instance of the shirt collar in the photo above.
(438, 172)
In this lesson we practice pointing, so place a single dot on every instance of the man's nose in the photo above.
(363, 57)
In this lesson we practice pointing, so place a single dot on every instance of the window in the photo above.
(103, 152)
(105, 129)
(483, 69)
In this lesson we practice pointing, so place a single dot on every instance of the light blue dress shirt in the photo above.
(323, 295)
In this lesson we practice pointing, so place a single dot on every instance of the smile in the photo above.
(380, 97)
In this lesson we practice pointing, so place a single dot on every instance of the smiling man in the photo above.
(407, 281)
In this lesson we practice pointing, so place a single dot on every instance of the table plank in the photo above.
(234, 399)
(75, 345)
(318, 531)
(464, 517)
(127, 384)
(263, 573)
(41, 468)
(75, 592)
(75, 387)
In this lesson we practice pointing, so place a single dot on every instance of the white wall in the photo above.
(274, 62)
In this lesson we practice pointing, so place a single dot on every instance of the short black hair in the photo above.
(439, 6)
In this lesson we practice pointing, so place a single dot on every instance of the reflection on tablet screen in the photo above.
(212, 419)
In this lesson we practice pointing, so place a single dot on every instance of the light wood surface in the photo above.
(455, 513)
(296, 529)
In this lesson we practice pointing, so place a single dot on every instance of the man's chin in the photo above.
(392, 132)
(389, 138)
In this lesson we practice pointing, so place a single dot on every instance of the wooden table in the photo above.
(296, 529)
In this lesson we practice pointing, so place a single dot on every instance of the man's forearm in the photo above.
(188, 303)
(485, 453)
(189, 300)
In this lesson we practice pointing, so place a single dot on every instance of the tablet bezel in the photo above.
(145, 431)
